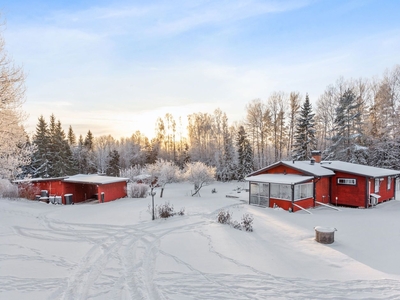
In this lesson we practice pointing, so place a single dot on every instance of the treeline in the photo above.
(353, 120)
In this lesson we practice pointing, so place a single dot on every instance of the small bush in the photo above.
(247, 222)
(7, 189)
(224, 217)
(138, 190)
(165, 210)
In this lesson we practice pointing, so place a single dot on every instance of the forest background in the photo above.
(354, 120)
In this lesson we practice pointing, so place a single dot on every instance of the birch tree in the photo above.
(15, 151)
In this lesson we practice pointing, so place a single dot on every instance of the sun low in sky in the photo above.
(115, 66)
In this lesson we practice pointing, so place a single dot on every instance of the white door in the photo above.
(397, 191)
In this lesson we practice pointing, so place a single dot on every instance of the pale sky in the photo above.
(115, 66)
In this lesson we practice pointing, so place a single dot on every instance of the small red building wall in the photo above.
(82, 192)
(349, 195)
(113, 191)
(54, 187)
(383, 190)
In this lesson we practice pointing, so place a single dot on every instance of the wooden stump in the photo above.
(324, 235)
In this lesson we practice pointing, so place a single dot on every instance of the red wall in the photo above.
(383, 191)
(281, 169)
(286, 204)
(322, 190)
(113, 191)
(54, 187)
(351, 195)
(81, 192)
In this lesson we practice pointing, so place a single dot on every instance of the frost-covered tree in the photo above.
(200, 175)
(245, 154)
(163, 172)
(347, 143)
(15, 151)
(113, 163)
(305, 140)
(227, 161)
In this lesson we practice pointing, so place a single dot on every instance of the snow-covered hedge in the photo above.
(137, 190)
(7, 189)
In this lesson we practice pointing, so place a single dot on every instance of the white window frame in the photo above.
(389, 183)
(347, 181)
(303, 191)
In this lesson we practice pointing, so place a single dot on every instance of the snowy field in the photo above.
(115, 251)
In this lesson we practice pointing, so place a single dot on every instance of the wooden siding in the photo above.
(383, 190)
(282, 169)
(322, 190)
(113, 191)
(286, 204)
(348, 195)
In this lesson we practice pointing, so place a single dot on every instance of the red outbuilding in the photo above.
(296, 185)
(78, 188)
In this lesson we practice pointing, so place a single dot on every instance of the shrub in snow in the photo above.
(7, 189)
(224, 217)
(247, 222)
(28, 190)
(165, 210)
(138, 190)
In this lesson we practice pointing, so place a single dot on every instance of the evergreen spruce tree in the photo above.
(304, 138)
(40, 165)
(113, 163)
(71, 136)
(245, 154)
(88, 143)
(62, 161)
(348, 141)
(227, 168)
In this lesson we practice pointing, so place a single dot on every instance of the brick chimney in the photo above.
(316, 155)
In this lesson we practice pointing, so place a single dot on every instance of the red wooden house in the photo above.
(295, 185)
(81, 187)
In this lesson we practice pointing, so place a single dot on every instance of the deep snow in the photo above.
(115, 251)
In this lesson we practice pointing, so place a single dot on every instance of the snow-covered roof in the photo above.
(40, 179)
(279, 178)
(306, 166)
(303, 166)
(94, 179)
(358, 169)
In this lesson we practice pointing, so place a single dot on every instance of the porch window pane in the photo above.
(285, 192)
(274, 190)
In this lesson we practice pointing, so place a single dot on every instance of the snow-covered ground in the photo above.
(115, 251)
